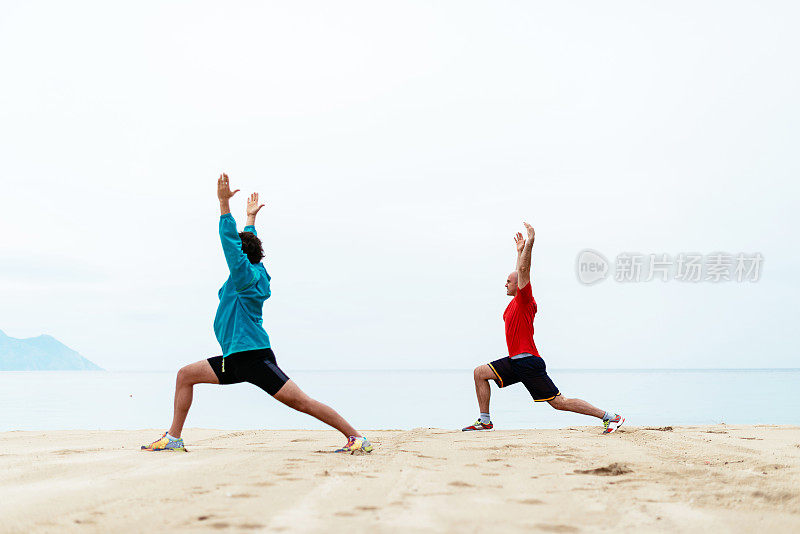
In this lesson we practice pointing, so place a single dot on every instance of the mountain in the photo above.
(42, 353)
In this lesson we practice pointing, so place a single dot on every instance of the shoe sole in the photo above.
(182, 449)
(477, 429)
(360, 451)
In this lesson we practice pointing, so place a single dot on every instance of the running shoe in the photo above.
(477, 425)
(355, 445)
(613, 424)
(165, 444)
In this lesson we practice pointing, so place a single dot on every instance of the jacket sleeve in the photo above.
(239, 266)
(250, 228)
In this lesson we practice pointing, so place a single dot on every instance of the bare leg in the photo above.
(483, 390)
(195, 373)
(576, 405)
(293, 397)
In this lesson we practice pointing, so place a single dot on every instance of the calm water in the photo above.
(398, 399)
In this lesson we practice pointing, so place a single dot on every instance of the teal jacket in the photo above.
(237, 324)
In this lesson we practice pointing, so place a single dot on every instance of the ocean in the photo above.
(402, 399)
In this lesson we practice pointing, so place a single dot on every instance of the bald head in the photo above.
(511, 284)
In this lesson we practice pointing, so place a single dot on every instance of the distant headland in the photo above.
(41, 353)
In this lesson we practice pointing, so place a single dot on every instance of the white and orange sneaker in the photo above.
(612, 425)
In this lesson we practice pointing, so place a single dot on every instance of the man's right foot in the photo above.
(165, 444)
(612, 425)
(478, 425)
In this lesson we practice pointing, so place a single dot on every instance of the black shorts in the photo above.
(531, 371)
(255, 366)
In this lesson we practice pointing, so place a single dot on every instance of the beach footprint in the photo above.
(610, 470)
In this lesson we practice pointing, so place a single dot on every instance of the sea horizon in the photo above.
(399, 398)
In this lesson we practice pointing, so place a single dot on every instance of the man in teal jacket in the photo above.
(246, 353)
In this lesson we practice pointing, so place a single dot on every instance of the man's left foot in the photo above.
(612, 425)
(356, 444)
(165, 444)
(478, 425)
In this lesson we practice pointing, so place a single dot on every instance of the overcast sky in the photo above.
(399, 146)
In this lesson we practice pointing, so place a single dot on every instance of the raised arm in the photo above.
(224, 194)
(524, 256)
(253, 208)
(238, 264)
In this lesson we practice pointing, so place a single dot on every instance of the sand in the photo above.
(684, 479)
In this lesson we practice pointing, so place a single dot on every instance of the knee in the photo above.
(559, 403)
(304, 405)
(301, 404)
(478, 373)
(184, 376)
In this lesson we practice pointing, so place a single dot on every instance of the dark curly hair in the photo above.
(251, 245)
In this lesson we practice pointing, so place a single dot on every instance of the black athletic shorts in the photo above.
(255, 366)
(531, 371)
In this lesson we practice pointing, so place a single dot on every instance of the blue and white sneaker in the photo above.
(356, 444)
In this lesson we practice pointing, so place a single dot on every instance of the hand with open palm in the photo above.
(224, 194)
(253, 207)
(520, 241)
(531, 231)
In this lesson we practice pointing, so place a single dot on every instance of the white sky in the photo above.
(398, 146)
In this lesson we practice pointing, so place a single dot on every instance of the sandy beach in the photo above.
(690, 479)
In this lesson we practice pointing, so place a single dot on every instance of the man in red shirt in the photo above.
(524, 364)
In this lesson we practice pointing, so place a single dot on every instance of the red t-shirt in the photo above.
(519, 322)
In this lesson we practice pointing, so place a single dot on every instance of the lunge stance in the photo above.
(524, 364)
(246, 353)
